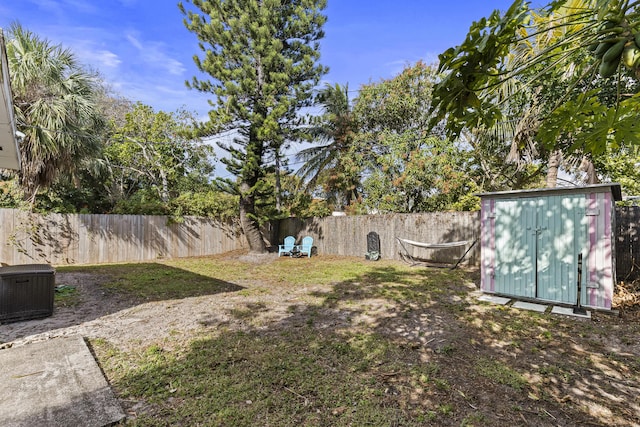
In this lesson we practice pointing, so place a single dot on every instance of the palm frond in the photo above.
(56, 107)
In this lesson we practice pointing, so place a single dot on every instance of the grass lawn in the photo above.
(331, 341)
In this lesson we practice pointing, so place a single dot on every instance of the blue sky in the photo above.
(144, 51)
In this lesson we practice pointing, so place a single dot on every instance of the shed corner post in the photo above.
(487, 244)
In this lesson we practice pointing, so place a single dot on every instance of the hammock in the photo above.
(407, 257)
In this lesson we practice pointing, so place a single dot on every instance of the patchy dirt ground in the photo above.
(603, 390)
(101, 313)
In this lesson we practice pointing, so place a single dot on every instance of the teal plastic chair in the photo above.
(287, 247)
(307, 244)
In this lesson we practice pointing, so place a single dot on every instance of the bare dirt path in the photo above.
(100, 313)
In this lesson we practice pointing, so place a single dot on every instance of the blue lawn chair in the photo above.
(289, 244)
(305, 247)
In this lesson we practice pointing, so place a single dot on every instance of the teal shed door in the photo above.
(538, 240)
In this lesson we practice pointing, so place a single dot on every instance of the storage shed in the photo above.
(532, 241)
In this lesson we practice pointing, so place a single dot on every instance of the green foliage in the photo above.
(56, 107)
(262, 60)
(300, 204)
(142, 202)
(556, 51)
(416, 176)
(407, 167)
(157, 151)
(149, 160)
(61, 197)
(487, 166)
(316, 208)
(327, 168)
(397, 104)
(212, 204)
(292, 201)
(472, 67)
(84, 194)
(11, 194)
(466, 202)
(621, 165)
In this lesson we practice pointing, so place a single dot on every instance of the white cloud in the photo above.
(153, 54)
(4, 11)
(134, 62)
(47, 4)
(135, 42)
(90, 50)
(82, 6)
(172, 91)
(175, 67)
(52, 8)
(396, 67)
(61, 8)
(107, 59)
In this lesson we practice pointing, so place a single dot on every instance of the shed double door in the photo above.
(538, 240)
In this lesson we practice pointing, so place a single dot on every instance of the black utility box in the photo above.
(26, 292)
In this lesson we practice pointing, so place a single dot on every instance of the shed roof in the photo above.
(614, 188)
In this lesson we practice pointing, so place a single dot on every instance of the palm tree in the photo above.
(326, 164)
(56, 108)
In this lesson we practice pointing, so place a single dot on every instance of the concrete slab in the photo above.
(568, 311)
(494, 299)
(55, 383)
(540, 308)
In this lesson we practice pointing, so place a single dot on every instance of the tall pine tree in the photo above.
(262, 57)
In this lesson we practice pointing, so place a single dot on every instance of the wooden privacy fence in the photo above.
(627, 242)
(60, 239)
(347, 235)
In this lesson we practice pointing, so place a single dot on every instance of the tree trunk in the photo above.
(591, 175)
(249, 225)
(248, 180)
(278, 184)
(553, 164)
(164, 191)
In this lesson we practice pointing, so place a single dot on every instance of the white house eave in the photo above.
(9, 151)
